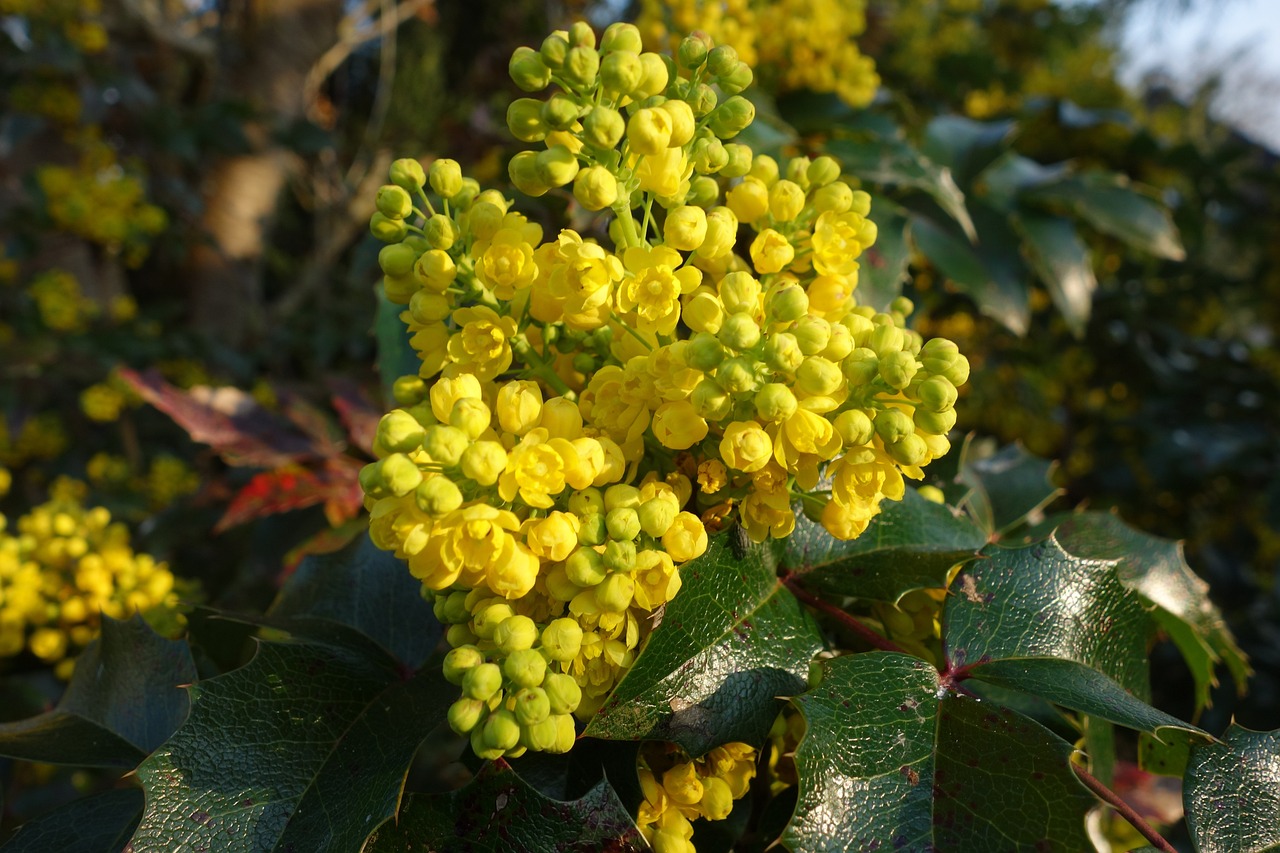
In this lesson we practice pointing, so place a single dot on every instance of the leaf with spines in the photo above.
(304, 748)
(102, 823)
(893, 760)
(1109, 203)
(498, 812)
(732, 640)
(1232, 793)
(910, 545)
(1007, 487)
(1061, 259)
(124, 699)
(981, 274)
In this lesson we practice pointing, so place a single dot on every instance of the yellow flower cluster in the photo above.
(55, 100)
(100, 201)
(61, 304)
(583, 410)
(678, 790)
(792, 44)
(62, 567)
(105, 401)
(42, 436)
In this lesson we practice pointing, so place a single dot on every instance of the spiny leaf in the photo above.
(892, 761)
(368, 589)
(124, 699)
(1061, 259)
(729, 643)
(290, 488)
(303, 748)
(965, 146)
(998, 292)
(1108, 202)
(1232, 793)
(910, 545)
(498, 812)
(1007, 487)
(101, 823)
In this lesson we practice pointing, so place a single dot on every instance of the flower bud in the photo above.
(854, 427)
(581, 65)
(615, 594)
(656, 75)
(893, 424)
(556, 166)
(437, 496)
(721, 60)
(682, 122)
(717, 798)
(399, 432)
(622, 523)
(736, 80)
(685, 228)
(656, 516)
(704, 352)
(812, 334)
(386, 229)
(749, 200)
(542, 736)
(465, 714)
(710, 156)
(740, 331)
(775, 402)
(563, 693)
(528, 71)
(519, 406)
(532, 706)
(782, 352)
(835, 197)
(592, 529)
(737, 375)
(484, 462)
(481, 747)
(703, 313)
(525, 668)
(399, 474)
(692, 52)
(471, 416)
(620, 555)
(710, 400)
(458, 662)
(936, 394)
(621, 495)
(553, 51)
(786, 200)
(559, 587)
(649, 131)
(787, 305)
(603, 127)
(897, 369)
(586, 502)
(397, 259)
(407, 174)
(400, 289)
(445, 444)
(481, 682)
(501, 731)
(861, 366)
(739, 163)
(620, 73)
(722, 233)
(581, 34)
(938, 423)
(515, 634)
(426, 307)
(886, 339)
(908, 450)
(524, 173)
(764, 169)
(585, 567)
(822, 171)
(441, 232)
(524, 120)
(817, 376)
(621, 36)
(739, 292)
(861, 203)
(703, 192)
(446, 177)
(559, 112)
(562, 639)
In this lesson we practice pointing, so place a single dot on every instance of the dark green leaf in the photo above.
(1007, 487)
(1061, 259)
(101, 823)
(893, 162)
(1108, 202)
(768, 133)
(304, 748)
(818, 112)
(1165, 755)
(892, 761)
(1100, 746)
(1010, 175)
(910, 545)
(1157, 570)
(124, 699)
(884, 266)
(1232, 793)
(966, 146)
(732, 641)
(396, 357)
(367, 589)
(997, 295)
(498, 812)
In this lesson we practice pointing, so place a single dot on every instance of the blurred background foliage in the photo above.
(184, 188)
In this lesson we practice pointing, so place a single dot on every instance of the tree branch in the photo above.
(1122, 808)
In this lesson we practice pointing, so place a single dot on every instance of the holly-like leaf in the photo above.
(1007, 487)
(890, 760)
(1108, 202)
(396, 357)
(498, 812)
(965, 146)
(910, 545)
(124, 699)
(883, 267)
(286, 489)
(998, 294)
(367, 589)
(1040, 620)
(1232, 793)
(230, 421)
(1157, 570)
(102, 823)
(304, 748)
(1061, 259)
(357, 412)
(730, 643)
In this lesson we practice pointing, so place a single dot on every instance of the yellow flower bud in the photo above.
(818, 377)
(749, 200)
(620, 73)
(603, 127)
(822, 171)
(746, 447)
(685, 228)
(394, 202)
(556, 166)
(524, 120)
(717, 799)
(740, 160)
(771, 252)
(834, 198)
(703, 312)
(655, 77)
(437, 496)
(519, 406)
(515, 634)
(786, 200)
(524, 173)
(649, 131)
(595, 188)
(854, 427)
(678, 426)
(621, 36)
(484, 462)
(775, 402)
(446, 178)
(386, 229)
(682, 121)
(722, 233)
(528, 71)
(892, 425)
(681, 782)
(581, 65)
(407, 174)
(562, 639)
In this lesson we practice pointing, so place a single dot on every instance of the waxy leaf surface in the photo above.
(101, 823)
(1232, 793)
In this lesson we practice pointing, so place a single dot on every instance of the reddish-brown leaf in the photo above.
(358, 413)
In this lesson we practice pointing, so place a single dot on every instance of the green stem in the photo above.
(536, 366)
(630, 331)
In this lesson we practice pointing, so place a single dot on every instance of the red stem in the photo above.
(1125, 811)
(874, 639)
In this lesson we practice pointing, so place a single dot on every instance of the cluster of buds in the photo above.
(585, 411)
(678, 790)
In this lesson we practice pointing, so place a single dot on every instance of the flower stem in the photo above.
(848, 621)
(1122, 808)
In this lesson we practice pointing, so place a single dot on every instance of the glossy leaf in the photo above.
(893, 761)
(1061, 259)
(966, 146)
(996, 295)
(1232, 793)
(1108, 202)
(304, 748)
(124, 699)
(732, 641)
(883, 267)
(291, 488)
(357, 412)
(1005, 179)
(1007, 487)
(499, 812)
(102, 823)
(367, 589)
(910, 545)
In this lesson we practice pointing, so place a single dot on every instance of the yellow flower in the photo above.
(837, 242)
(678, 426)
(745, 446)
(654, 288)
(771, 252)
(483, 345)
(686, 538)
(449, 389)
(507, 263)
(553, 538)
(656, 579)
(712, 476)
(477, 545)
(539, 468)
(519, 406)
(662, 173)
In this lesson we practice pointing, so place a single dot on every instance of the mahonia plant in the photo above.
(586, 411)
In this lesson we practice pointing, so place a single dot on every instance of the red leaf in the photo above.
(271, 492)
(235, 425)
(358, 413)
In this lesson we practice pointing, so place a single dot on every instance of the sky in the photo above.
(1240, 37)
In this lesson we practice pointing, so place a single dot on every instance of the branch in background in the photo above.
(1123, 809)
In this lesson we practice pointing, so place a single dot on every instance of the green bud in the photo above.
(592, 529)
(775, 402)
(822, 171)
(455, 608)
(586, 501)
(908, 450)
(595, 188)
(703, 192)
(854, 427)
(704, 313)
(585, 567)
(532, 706)
(488, 617)
(736, 80)
(399, 474)
(787, 304)
(615, 594)
(936, 394)
(710, 156)
(732, 117)
(409, 390)
(692, 52)
(557, 165)
(581, 66)
(902, 305)
(620, 73)
(524, 173)
(559, 112)
(437, 496)
(399, 289)
(386, 229)
(739, 163)
(886, 339)
(528, 71)
(655, 77)
(563, 693)
(656, 516)
(620, 555)
(445, 444)
(897, 369)
(737, 375)
(702, 99)
(399, 432)
(481, 747)
(471, 416)
(460, 635)
(553, 51)
(893, 424)
(710, 400)
(704, 352)
(621, 494)
(622, 523)
(721, 60)
(446, 177)
(835, 197)
(465, 714)
(397, 259)
(501, 730)
(562, 639)
(516, 634)
(524, 120)
(566, 734)
(818, 376)
(458, 662)
(441, 232)
(938, 423)
(812, 335)
(541, 736)
(393, 202)
(559, 587)
(481, 682)
(861, 366)
(621, 36)
(525, 668)
(603, 127)
(764, 169)
(370, 479)
(782, 352)
(740, 331)
(407, 174)
(861, 202)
